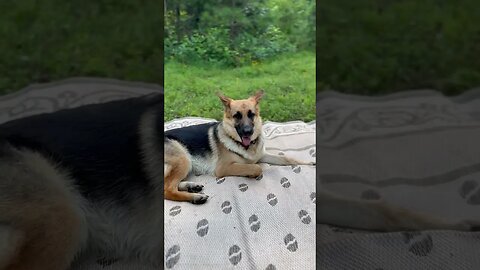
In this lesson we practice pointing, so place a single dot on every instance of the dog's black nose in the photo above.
(247, 130)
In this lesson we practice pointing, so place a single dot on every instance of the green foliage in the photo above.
(268, 44)
(214, 47)
(194, 49)
(376, 47)
(235, 33)
(296, 19)
(288, 81)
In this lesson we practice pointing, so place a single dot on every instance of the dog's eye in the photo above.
(238, 116)
(250, 114)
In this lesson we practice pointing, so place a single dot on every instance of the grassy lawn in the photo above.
(42, 41)
(288, 81)
(381, 46)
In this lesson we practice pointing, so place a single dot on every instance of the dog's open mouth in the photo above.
(246, 140)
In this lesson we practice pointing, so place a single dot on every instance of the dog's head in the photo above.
(241, 118)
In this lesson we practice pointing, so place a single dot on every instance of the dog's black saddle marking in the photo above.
(98, 144)
(195, 138)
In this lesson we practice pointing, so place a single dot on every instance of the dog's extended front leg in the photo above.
(282, 160)
(238, 169)
(376, 215)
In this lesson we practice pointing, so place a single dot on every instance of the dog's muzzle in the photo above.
(245, 133)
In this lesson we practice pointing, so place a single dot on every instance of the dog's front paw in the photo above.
(256, 171)
(299, 162)
(200, 198)
(307, 163)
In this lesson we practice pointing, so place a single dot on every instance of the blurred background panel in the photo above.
(43, 41)
(381, 46)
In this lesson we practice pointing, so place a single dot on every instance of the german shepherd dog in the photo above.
(231, 147)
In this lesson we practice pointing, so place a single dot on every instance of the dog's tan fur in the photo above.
(177, 170)
(39, 215)
(226, 161)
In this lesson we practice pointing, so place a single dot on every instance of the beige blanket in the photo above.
(266, 223)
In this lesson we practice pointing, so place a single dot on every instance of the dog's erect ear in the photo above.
(225, 100)
(257, 96)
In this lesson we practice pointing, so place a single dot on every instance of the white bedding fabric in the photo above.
(248, 223)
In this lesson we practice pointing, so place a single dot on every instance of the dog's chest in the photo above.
(203, 165)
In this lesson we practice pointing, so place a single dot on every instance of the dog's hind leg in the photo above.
(173, 176)
(41, 223)
(177, 165)
(190, 187)
(44, 240)
(10, 243)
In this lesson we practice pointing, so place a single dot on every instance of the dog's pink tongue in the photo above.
(246, 141)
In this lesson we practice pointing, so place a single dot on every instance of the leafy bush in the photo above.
(215, 47)
(296, 19)
(239, 32)
(211, 46)
(272, 42)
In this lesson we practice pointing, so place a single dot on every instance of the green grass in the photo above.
(288, 81)
(42, 41)
(381, 46)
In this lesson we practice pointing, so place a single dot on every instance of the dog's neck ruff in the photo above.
(237, 147)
